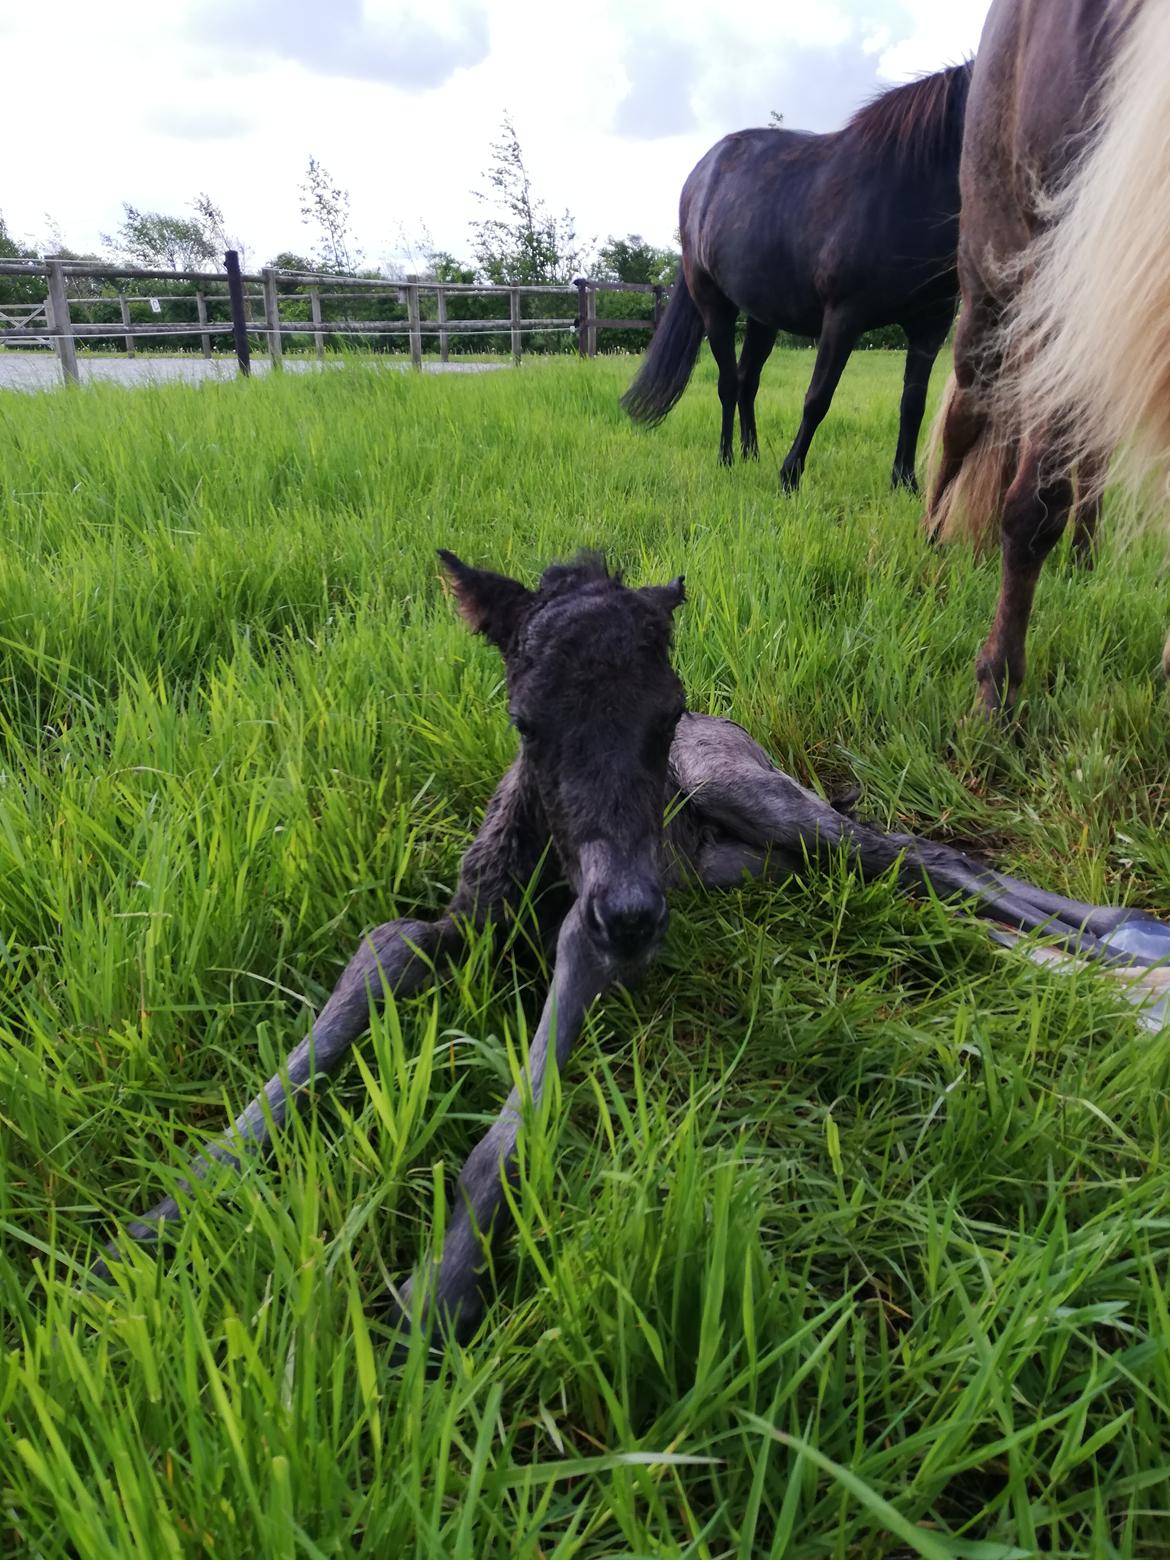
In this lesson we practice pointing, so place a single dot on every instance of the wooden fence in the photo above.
(254, 301)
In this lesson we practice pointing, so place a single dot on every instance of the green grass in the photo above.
(851, 1236)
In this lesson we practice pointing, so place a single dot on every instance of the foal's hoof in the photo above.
(789, 480)
(845, 801)
(437, 1317)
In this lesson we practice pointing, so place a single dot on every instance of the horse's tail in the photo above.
(968, 506)
(670, 357)
(1090, 334)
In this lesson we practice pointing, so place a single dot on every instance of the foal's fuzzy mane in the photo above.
(587, 568)
(923, 118)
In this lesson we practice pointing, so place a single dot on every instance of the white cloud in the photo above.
(400, 100)
(400, 42)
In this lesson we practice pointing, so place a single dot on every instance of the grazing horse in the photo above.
(582, 830)
(1062, 351)
(821, 235)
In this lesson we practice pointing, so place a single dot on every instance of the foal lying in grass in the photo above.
(606, 746)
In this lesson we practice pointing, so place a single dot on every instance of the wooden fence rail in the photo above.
(244, 293)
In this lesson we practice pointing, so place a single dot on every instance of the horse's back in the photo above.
(787, 224)
(748, 220)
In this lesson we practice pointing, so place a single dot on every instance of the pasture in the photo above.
(851, 1235)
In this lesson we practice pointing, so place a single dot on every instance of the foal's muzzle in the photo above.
(626, 920)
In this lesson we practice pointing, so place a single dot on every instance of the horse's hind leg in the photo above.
(758, 342)
(1034, 517)
(720, 315)
(922, 348)
(838, 338)
(964, 416)
(1090, 483)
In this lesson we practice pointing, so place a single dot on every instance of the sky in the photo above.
(614, 101)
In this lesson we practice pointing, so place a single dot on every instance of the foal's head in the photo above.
(595, 700)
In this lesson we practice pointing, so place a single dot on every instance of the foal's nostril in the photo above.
(627, 925)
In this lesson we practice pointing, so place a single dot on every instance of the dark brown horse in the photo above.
(1062, 352)
(821, 235)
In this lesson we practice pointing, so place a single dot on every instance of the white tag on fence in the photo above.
(155, 306)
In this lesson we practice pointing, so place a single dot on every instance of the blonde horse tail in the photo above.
(1089, 336)
(966, 503)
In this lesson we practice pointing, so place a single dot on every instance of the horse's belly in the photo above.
(774, 298)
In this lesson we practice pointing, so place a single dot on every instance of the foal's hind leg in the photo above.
(761, 820)
(758, 342)
(1034, 517)
(838, 338)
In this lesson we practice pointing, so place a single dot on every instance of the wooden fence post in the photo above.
(231, 262)
(591, 319)
(201, 313)
(124, 303)
(315, 308)
(272, 318)
(444, 335)
(657, 306)
(61, 325)
(582, 316)
(514, 316)
(415, 321)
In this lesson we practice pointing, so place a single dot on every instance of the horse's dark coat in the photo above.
(822, 235)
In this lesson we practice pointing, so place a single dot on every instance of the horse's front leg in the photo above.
(838, 338)
(396, 958)
(451, 1284)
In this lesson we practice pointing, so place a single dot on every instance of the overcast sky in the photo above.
(614, 102)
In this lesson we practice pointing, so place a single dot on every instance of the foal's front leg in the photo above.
(397, 958)
(451, 1284)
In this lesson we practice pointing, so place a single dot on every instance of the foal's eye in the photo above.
(523, 727)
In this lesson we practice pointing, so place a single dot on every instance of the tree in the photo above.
(17, 289)
(632, 259)
(443, 267)
(9, 248)
(325, 206)
(210, 217)
(522, 242)
(775, 121)
(289, 260)
(162, 242)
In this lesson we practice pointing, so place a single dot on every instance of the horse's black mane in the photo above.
(918, 120)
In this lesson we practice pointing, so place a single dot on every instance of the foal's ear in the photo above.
(671, 596)
(490, 604)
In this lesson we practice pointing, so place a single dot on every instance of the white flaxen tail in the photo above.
(1089, 339)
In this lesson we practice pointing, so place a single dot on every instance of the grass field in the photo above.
(852, 1235)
